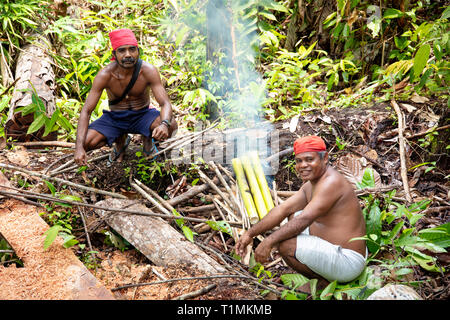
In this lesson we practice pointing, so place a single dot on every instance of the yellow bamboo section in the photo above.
(261, 178)
(245, 190)
(254, 187)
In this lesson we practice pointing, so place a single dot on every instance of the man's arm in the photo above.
(83, 122)
(162, 131)
(272, 219)
(323, 199)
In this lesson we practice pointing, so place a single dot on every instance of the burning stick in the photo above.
(245, 190)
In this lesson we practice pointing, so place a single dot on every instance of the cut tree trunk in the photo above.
(156, 239)
(34, 70)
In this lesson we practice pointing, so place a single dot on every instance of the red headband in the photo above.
(309, 144)
(122, 37)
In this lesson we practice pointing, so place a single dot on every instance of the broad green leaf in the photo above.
(38, 102)
(403, 271)
(70, 197)
(69, 240)
(331, 81)
(37, 123)
(63, 122)
(421, 245)
(313, 286)
(395, 231)
(368, 179)
(289, 295)
(188, 233)
(294, 280)
(373, 226)
(51, 235)
(51, 187)
(420, 60)
(278, 7)
(392, 13)
(327, 293)
(414, 218)
(220, 226)
(4, 102)
(327, 20)
(446, 13)
(27, 109)
(425, 261)
(401, 42)
(440, 235)
(50, 123)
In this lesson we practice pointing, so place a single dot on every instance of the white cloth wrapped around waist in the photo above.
(327, 259)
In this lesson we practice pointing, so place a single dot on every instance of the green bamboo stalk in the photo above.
(245, 190)
(254, 187)
(261, 177)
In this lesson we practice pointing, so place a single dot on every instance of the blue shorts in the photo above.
(113, 124)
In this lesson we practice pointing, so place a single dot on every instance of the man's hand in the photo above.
(262, 251)
(161, 132)
(80, 157)
(243, 242)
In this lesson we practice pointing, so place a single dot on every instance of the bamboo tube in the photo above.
(245, 190)
(261, 178)
(254, 187)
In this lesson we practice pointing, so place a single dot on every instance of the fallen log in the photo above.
(156, 239)
(34, 67)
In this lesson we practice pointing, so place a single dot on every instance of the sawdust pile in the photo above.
(55, 273)
(44, 273)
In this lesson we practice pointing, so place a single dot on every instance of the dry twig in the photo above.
(196, 293)
(401, 142)
(69, 183)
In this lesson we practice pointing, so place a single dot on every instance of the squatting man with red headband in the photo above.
(323, 216)
(127, 81)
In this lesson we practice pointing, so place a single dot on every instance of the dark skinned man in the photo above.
(323, 217)
(133, 113)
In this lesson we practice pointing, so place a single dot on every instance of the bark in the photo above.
(156, 239)
(34, 69)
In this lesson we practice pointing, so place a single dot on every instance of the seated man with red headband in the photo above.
(323, 217)
(127, 81)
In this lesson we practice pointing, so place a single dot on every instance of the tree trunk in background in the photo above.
(34, 69)
(218, 43)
